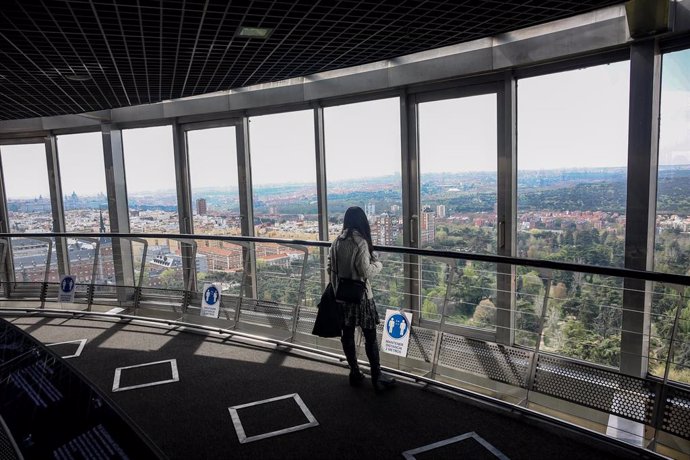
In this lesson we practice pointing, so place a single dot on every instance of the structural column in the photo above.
(184, 203)
(57, 205)
(118, 211)
(641, 203)
(321, 184)
(244, 171)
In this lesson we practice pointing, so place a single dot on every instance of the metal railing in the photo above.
(270, 289)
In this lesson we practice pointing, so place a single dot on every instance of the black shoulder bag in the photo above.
(348, 290)
(329, 318)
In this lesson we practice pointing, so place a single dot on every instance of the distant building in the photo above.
(201, 206)
(441, 211)
(382, 230)
(428, 226)
(370, 210)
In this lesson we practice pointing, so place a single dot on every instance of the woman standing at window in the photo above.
(351, 258)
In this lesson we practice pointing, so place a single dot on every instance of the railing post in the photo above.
(44, 286)
(300, 292)
(452, 268)
(545, 276)
(137, 288)
(659, 403)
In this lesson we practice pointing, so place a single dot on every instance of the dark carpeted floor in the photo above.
(190, 418)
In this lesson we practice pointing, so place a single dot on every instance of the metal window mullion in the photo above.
(8, 264)
(184, 203)
(56, 204)
(506, 207)
(321, 184)
(118, 207)
(645, 89)
(409, 156)
(244, 173)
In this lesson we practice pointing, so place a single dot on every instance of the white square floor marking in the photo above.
(175, 376)
(81, 342)
(410, 454)
(242, 436)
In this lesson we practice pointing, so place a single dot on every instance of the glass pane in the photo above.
(284, 175)
(213, 175)
(672, 245)
(572, 173)
(82, 174)
(151, 182)
(27, 188)
(458, 170)
(363, 166)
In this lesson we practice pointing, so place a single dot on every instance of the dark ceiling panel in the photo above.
(72, 56)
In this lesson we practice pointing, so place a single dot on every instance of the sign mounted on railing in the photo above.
(396, 332)
(210, 300)
(68, 284)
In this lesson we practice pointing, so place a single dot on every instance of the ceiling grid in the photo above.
(74, 56)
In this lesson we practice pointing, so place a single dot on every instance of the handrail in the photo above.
(536, 263)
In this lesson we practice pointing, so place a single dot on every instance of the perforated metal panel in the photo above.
(677, 412)
(607, 391)
(422, 344)
(272, 314)
(7, 445)
(305, 322)
(228, 306)
(497, 362)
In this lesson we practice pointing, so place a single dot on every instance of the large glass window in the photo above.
(363, 164)
(212, 155)
(458, 195)
(27, 188)
(672, 244)
(285, 201)
(152, 200)
(85, 201)
(572, 172)
(25, 173)
(82, 175)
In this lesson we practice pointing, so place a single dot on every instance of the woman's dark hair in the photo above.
(356, 219)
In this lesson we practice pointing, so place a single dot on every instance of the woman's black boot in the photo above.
(381, 381)
(356, 377)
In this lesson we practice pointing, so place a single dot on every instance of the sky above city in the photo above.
(574, 119)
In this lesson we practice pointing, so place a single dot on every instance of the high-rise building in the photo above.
(428, 226)
(201, 206)
(382, 230)
(441, 211)
(370, 210)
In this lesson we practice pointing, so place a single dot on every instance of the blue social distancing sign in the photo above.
(396, 332)
(210, 301)
(68, 284)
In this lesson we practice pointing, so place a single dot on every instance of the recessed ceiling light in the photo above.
(77, 76)
(253, 32)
